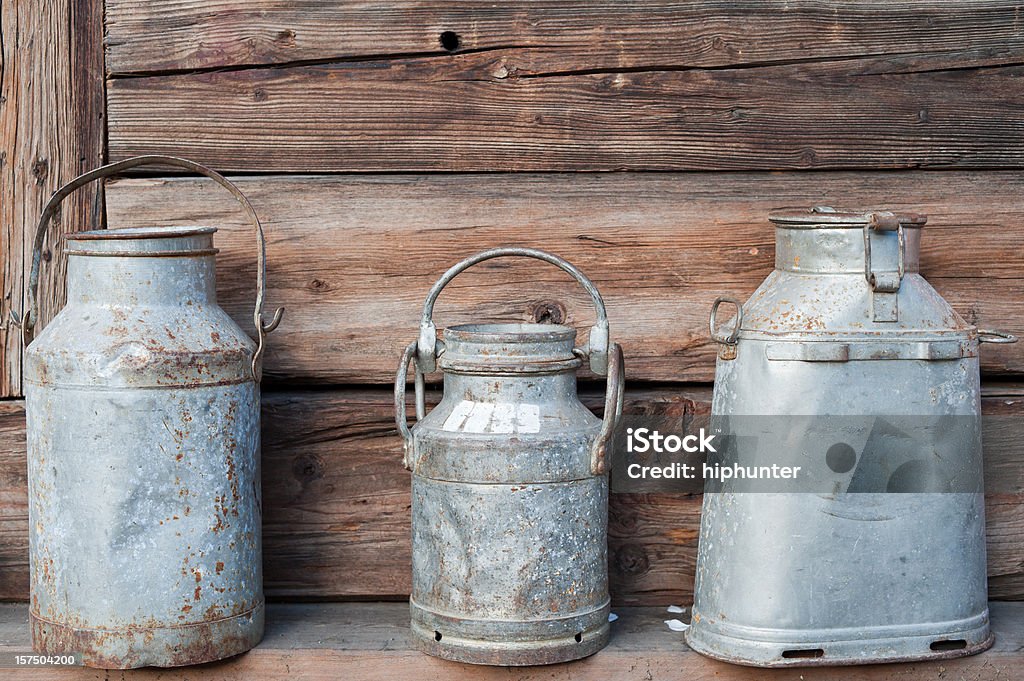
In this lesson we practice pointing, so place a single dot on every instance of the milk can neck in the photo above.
(841, 249)
(150, 266)
(518, 389)
(510, 362)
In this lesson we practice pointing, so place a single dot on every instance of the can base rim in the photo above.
(912, 648)
(511, 653)
(168, 646)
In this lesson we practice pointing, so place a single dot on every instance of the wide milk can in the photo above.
(848, 363)
(143, 410)
(509, 487)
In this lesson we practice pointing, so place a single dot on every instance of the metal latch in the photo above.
(885, 284)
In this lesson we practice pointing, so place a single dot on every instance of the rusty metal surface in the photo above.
(143, 459)
(510, 496)
(843, 578)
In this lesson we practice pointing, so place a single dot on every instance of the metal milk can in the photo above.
(880, 567)
(509, 486)
(143, 407)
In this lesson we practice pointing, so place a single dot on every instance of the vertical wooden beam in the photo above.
(52, 128)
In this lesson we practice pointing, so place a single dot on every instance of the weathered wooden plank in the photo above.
(545, 35)
(336, 501)
(363, 641)
(351, 258)
(13, 502)
(51, 129)
(469, 113)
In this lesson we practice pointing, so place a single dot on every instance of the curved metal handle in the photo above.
(30, 319)
(614, 398)
(400, 380)
(995, 337)
(733, 336)
(597, 344)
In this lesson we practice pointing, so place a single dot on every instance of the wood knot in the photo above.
(285, 37)
(40, 169)
(548, 312)
(319, 285)
(631, 559)
(307, 468)
(259, 95)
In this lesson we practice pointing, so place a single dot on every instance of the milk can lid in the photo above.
(138, 233)
(826, 216)
(184, 241)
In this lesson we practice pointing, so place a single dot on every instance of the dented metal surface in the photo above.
(143, 452)
(844, 578)
(509, 491)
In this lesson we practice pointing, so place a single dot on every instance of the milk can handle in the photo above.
(614, 398)
(733, 336)
(29, 321)
(995, 337)
(605, 359)
(400, 380)
(597, 344)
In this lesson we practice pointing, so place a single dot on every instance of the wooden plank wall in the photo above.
(51, 129)
(352, 257)
(336, 502)
(647, 142)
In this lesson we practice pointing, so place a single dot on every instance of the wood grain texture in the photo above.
(13, 502)
(370, 641)
(51, 129)
(336, 501)
(544, 35)
(469, 112)
(351, 258)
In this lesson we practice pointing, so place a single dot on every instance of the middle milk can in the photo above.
(847, 361)
(509, 486)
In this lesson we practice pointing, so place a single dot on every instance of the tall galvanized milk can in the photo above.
(509, 487)
(142, 401)
(844, 328)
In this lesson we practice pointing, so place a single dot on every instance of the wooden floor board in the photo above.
(370, 641)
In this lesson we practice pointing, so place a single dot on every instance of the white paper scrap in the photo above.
(676, 610)
(676, 625)
(612, 617)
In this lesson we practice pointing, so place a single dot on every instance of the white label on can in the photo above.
(528, 418)
(490, 417)
(504, 420)
(480, 418)
(458, 416)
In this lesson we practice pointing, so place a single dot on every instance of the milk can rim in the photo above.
(827, 217)
(133, 233)
(521, 332)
